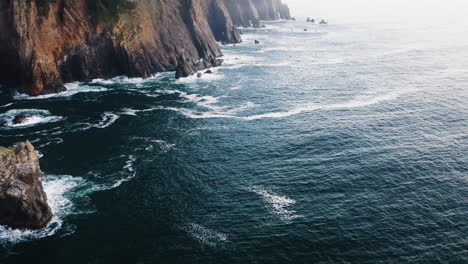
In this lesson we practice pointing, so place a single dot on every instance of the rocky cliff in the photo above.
(23, 203)
(45, 43)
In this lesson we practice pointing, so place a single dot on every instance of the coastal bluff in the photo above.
(46, 43)
(23, 202)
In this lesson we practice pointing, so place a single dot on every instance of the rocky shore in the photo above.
(23, 202)
(44, 44)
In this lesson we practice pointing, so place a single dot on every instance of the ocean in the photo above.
(345, 143)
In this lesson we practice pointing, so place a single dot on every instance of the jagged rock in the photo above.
(23, 202)
(184, 67)
(256, 23)
(323, 22)
(19, 119)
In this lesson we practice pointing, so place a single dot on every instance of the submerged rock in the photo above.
(19, 119)
(23, 202)
(257, 42)
(208, 72)
(199, 75)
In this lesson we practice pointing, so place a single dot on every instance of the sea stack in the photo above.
(23, 202)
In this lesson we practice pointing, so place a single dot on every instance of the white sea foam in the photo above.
(55, 141)
(357, 102)
(72, 89)
(164, 146)
(279, 204)
(107, 120)
(288, 49)
(7, 105)
(58, 190)
(214, 76)
(206, 235)
(128, 169)
(126, 80)
(35, 117)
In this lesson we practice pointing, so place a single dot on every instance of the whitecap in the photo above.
(35, 117)
(164, 146)
(206, 236)
(127, 168)
(115, 180)
(279, 204)
(107, 119)
(214, 76)
(361, 101)
(72, 89)
(126, 80)
(7, 105)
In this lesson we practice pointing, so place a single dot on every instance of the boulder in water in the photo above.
(208, 72)
(199, 75)
(23, 202)
(257, 42)
(19, 119)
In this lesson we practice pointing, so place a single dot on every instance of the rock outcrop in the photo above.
(45, 43)
(23, 202)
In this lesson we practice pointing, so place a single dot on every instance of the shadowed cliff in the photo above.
(46, 43)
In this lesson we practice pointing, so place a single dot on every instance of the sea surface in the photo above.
(345, 143)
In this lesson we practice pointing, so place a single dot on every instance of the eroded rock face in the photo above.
(23, 202)
(44, 44)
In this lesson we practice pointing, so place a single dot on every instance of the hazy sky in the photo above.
(408, 9)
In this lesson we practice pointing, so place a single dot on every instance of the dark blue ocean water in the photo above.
(342, 144)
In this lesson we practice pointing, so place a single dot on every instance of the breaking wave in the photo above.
(32, 117)
(206, 235)
(278, 204)
(59, 190)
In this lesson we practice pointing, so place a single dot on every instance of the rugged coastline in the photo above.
(48, 43)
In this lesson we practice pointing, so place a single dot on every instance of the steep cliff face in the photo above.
(243, 12)
(247, 13)
(44, 43)
(272, 9)
(23, 202)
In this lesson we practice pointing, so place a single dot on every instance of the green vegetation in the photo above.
(103, 11)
